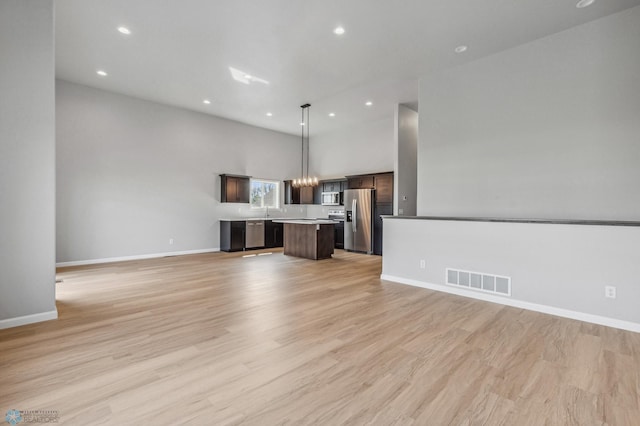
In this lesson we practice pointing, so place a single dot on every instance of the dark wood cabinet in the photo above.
(308, 240)
(294, 195)
(317, 194)
(361, 182)
(232, 235)
(273, 234)
(332, 186)
(291, 194)
(384, 187)
(234, 189)
(381, 182)
(311, 195)
(306, 195)
(339, 235)
(379, 210)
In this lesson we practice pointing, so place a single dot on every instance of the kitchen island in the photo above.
(308, 238)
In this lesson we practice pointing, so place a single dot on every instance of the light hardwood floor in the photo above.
(219, 339)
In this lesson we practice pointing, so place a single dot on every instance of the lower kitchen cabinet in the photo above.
(273, 234)
(380, 209)
(339, 235)
(232, 235)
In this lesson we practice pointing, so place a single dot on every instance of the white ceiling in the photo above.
(179, 52)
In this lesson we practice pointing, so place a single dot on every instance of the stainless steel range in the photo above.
(336, 215)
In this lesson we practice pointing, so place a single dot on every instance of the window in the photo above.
(265, 193)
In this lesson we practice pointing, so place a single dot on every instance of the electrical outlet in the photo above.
(423, 264)
(610, 292)
(400, 211)
(170, 240)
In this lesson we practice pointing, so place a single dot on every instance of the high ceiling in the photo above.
(182, 52)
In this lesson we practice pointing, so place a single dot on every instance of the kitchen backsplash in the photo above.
(236, 210)
(321, 211)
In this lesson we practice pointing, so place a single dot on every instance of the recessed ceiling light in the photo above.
(461, 49)
(302, 124)
(248, 76)
(124, 30)
(338, 31)
(101, 73)
(269, 114)
(368, 103)
(584, 3)
(332, 114)
(206, 102)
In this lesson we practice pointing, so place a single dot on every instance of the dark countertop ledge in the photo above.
(508, 220)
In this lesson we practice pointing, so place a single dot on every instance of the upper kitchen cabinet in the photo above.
(293, 195)
(333, 185)
(381, 182)
(360, 182)
(306, 195)
(234, 189)
(384, 187)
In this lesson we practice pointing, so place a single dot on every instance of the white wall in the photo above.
(559, 269)
(27, 162)
(365, 148)
(406, 161)
(132, 174)
(549, 129)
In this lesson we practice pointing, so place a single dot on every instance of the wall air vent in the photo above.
(487, 283)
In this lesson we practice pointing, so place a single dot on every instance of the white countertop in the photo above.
(241, 219)
(314, 220)
(516, 220)
(307, 221)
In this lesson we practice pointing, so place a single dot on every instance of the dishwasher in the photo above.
(255, 234)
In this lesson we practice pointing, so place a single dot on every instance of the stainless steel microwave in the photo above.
(330, 198)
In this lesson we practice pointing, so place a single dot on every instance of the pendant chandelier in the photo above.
(305, 180)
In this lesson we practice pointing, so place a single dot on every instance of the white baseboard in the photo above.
(28, 319)
(565, 313)
(136, 257)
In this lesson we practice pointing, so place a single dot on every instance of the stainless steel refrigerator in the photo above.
(358, 220)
